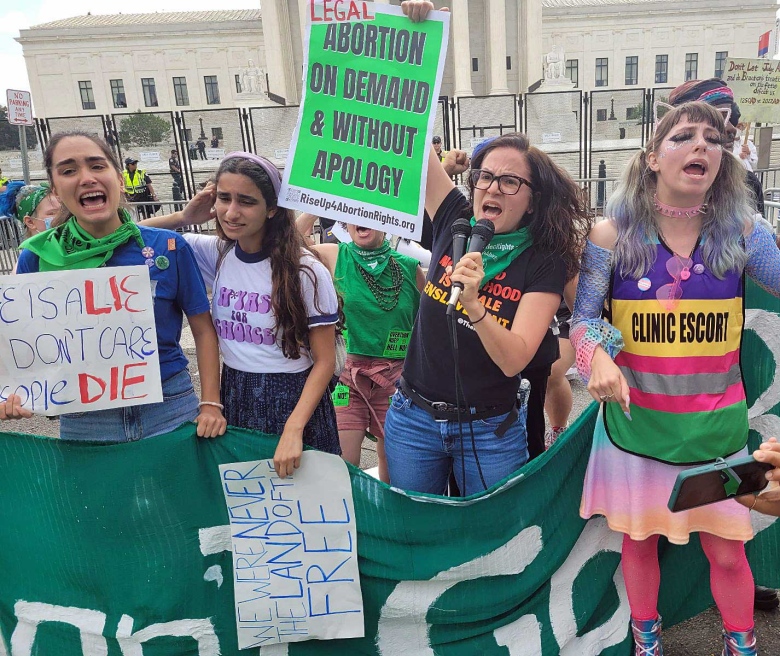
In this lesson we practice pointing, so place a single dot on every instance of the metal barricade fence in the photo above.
(10, 238)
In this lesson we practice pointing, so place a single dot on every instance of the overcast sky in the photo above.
(13, 73)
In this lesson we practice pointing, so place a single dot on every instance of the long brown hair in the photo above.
(560, 222)
(48, 162)
(286, 246)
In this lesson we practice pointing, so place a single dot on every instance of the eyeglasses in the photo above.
(508, 185)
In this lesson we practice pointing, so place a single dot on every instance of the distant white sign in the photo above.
(15, 163)
(149, 155)
(19, 105)
(215, 153)
(551, 137)
(295, 560)
(281, 153)
(475, 141)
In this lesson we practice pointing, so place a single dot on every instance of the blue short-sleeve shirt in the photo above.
(177, 289)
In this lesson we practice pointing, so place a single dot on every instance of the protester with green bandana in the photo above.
(93, 230)
(508, 302)
(36, 208)
(33, 205)
(380, 290)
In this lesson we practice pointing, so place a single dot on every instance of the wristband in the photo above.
(474, 323)
(753, 505)
(214, 403)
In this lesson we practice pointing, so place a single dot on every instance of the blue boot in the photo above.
(647, 637)
(739, 643)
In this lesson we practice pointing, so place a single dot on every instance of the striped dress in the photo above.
(681, 361)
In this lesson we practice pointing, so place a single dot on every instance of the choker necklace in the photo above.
(678, 212)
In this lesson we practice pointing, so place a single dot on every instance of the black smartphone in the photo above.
(718, 481)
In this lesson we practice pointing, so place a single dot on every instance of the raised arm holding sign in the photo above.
(364, 127)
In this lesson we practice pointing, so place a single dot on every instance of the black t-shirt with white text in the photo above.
(429, 366)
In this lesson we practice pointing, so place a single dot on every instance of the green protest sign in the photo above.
(371, 86)
(125, 549)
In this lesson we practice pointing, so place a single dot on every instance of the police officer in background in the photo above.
(138, 188)
(436, 142)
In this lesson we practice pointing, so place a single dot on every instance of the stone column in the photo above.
(497, 83)
(530, 39)
(278, 49)
(461, 49)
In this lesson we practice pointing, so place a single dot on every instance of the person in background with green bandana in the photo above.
(95, 230)
(36, 208)
(380, 290)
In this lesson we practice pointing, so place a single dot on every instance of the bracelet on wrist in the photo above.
(474, 323)
(755, 501)
(214, 403)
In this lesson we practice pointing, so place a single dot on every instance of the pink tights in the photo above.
(730, 579)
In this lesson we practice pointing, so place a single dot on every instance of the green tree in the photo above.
(143, 129)
(9, 134)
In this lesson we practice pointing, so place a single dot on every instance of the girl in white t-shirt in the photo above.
(274, 309)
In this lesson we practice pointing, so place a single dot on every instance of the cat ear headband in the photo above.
(661, 109)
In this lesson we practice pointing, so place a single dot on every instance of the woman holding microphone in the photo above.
(510, 295)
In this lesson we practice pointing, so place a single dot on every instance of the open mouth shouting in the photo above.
(491, 210)
(696, 168)
(93, 200)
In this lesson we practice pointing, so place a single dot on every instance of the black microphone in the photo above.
(481, 234)
(461, 231)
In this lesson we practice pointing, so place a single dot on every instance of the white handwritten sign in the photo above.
(215, 153)
(295, 567)
(79, 340)
(756, 87)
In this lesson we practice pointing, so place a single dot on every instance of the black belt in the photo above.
(444, 411)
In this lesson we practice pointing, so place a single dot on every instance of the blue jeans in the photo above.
(128, 424)
(422, 451)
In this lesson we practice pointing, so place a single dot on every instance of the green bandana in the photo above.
(503, 250)
(69, 247)
(30, 202)
(371, 261)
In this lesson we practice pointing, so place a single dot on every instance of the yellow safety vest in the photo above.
(136, 184)
(4, 181)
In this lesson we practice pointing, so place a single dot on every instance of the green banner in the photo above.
(371, 87)
(123, 549)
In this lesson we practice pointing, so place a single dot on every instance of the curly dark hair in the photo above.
(560, 221)
(286, 246)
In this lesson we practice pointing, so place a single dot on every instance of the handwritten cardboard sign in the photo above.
(79, 340)
(756, 87)
(295, 563)
(371, 87)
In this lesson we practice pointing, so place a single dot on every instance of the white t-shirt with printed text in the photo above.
(241, 305)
